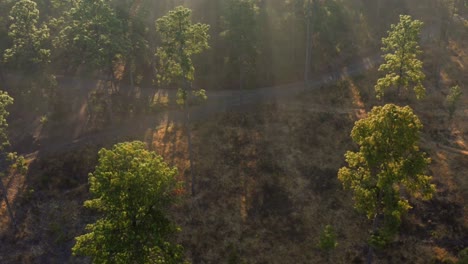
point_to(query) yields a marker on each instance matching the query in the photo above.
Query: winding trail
(217, 102)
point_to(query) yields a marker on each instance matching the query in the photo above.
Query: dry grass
(266, 186)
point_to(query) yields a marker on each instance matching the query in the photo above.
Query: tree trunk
(10, 212)
(378, 9)
(189, 138)
(3, 168)
(307, 59)
(189, 142)
(370, 250)
(111, 78)
(132, 85)
(240, 80)
(2, 76)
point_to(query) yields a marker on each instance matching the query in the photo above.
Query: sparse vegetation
(327, 241)
(258, 149)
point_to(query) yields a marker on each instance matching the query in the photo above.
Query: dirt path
(217, 102)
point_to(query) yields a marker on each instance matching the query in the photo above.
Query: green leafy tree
(137, 57)
(132, 189)
(5, 7)
(241, 36)
(28, 53)
(402, 68)
(92, 35)
(8, 161)
(180, 41)
(5, 101)
(388, 167)
(452, 100)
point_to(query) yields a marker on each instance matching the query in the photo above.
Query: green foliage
(18, 163)
(180, 41)
(241, 34)
(181, 96)
(5, 101)
(452, 99)
(402, 67)
(327, 240)
(200, 95)
(28, 52)
(463, 256)
(92, 34)
(329, 25)
(387, 165)
(132, 189)
(380, 238)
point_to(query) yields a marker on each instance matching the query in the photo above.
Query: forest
(234, 131)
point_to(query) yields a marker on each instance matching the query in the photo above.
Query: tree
(241, 36)
(29, 55)
(132, 189)
(401, 66)
(452, 100)
(5, 101)
(92, 35)
(180, 41)
(388, 166)
(8, 160)
(28, 52)
(308, 45)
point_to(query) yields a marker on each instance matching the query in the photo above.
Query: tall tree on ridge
(132, 189)
(241, 36)
(180, 41)
(401, 66)
(28, 57)
(388, 163)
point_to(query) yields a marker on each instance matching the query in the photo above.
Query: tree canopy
(180, 39)
(241, 35)
(28, 52)
(91, 34)
(388, 164)
(402, 68)
(132, 189)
